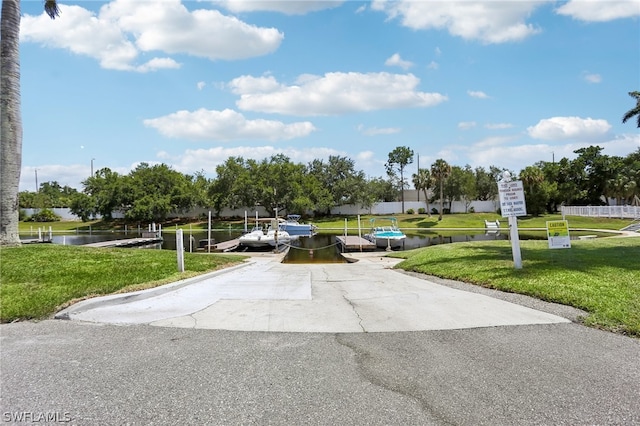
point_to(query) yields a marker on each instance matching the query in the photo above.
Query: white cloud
(516, 157)
(489, 21)
(374, 131)
(124, 29)
(466, 125)
(600, 11)
(287, 7)
(225, 125)
(433, 65)
(498, 126)
(592, 78)
(396, 61)
(201, 85)
(193, 160)
(477, 94)
(560, 128)
(333, 93)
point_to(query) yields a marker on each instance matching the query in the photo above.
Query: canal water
(320, 248)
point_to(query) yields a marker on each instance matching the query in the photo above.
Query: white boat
(387, 236)
(265, 236)
(292, 225)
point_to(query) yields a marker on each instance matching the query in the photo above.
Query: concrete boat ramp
(264, 294)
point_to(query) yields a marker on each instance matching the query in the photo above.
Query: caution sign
(558, 234)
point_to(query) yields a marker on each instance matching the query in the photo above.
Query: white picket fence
(622, 212)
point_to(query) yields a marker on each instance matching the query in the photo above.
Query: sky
(192, 83)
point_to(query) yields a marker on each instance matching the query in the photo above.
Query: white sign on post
(512, 198)
(512, 205)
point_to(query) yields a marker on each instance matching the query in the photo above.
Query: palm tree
(422, 181)
(10, 117)
(633, 111)
(440, 170)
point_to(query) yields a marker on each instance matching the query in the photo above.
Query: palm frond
(634, 111)
(51, 8)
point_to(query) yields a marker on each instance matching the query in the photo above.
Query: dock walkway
(130, 242)
(352, 242)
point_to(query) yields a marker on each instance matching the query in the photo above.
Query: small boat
(388, 236)
(265, 237)
(292, 225)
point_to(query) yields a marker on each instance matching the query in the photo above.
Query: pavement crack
(365, 364)
(355, 311)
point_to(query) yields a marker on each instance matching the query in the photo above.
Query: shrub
(434, 211)
(472, 209)
(22, 216)
(422, 210)
(410, 211)
(45, 215)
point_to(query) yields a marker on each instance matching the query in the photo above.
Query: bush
(434, 211)
(410, 211)
(45, 215)
(22, 215)
(422, 210)
(472, 209)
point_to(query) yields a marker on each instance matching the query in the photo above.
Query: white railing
(622, 212)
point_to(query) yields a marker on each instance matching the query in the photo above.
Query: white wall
(396, 207)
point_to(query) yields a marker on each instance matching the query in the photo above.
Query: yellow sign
(558, 234)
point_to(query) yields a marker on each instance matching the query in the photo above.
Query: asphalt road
(531, 366)
(92, 374)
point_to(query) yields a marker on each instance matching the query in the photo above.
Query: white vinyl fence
(622, 212)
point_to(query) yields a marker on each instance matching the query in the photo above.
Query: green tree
(27, 199)
(10, 117)
(378, 190)
(422, 181)
(399, 158)
(633, 111)
(593, 170)
(108, 190)
(152, 192)
(234, 186)
(440, 170)
(536, 190)
(486, 183)
(339, 181)
(83, 206)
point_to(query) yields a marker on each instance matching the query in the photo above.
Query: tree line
(152, 192)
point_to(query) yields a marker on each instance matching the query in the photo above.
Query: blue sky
(191, 83)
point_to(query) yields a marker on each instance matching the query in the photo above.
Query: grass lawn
(38, 279)
(600, 276)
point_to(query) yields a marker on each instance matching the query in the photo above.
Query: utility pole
(92, 166)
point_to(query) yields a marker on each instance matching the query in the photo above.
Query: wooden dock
(354, 243)
(223, 246)
(130, 242)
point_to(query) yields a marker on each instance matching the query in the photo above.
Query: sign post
(512, 205)
(180, 250)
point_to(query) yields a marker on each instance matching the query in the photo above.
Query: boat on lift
(265, 235)
(387, 235)
(292, 225)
